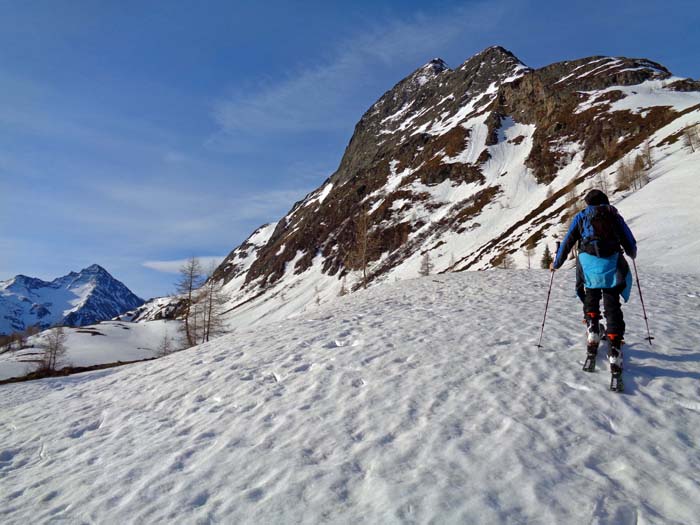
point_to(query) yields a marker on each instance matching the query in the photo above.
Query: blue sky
(134, 134)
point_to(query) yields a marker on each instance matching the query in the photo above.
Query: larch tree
(188, 283)
(529, 251)
(363, 245)
(426, 265)
(54, 347)
(213, 300)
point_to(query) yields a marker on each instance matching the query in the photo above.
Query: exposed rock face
(76, 299)
(463, 164)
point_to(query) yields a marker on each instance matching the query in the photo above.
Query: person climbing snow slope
(601, 271)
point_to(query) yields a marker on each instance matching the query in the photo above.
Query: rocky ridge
(467, 165)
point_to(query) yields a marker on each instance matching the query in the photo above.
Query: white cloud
(175, 265)
(317, 97)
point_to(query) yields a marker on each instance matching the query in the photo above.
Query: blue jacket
(595, 271)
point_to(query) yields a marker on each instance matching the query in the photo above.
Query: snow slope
(417, 402)
(107, 342)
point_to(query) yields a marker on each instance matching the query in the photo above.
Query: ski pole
(546, 305)
(641, 298)
(551, 280)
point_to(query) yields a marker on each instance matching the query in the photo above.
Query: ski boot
(615, 360)
(592, 341)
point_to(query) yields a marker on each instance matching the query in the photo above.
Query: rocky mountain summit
(77, 299)
(467, 165)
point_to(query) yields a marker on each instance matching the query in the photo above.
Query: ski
(591, 353)
(616, 384)
(615, 358)
(592, 349)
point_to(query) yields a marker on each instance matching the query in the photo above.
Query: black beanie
(596, 198)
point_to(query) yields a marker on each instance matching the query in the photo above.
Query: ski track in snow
(424, 401)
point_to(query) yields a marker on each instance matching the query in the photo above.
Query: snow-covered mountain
(76, 299)
(423, 401)
(471, 164)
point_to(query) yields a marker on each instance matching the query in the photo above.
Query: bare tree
(529, 251)
(691, 138)
(632, 174)
(343, 287)
(54, 346)
(5, 343)
(213, 300)
(189, 281)
(647, 155)
(359, 256)
(625, 175)
(505, 261)
(426, 265)
(165, 346)
(602, 183)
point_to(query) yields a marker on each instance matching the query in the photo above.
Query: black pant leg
(591, 301)
(613, 311)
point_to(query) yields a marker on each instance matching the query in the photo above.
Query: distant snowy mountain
(76, 299)
(472, 164)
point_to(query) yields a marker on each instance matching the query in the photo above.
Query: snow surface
(419, 402)
(640, 97)
(113, 341)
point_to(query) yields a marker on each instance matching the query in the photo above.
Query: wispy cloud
(174, 266)
(316, 97)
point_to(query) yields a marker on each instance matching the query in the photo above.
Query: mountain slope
(420, 401)
(470, 165)
(76, 299)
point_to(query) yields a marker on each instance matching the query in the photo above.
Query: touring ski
(596, 333)
(591, 353)
(615, 359)
(616, 384)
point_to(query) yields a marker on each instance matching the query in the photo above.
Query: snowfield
(103, 343)
(423, 401)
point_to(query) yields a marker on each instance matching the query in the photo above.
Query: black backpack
(599, 231)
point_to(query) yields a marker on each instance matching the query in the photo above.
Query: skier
(601, 270)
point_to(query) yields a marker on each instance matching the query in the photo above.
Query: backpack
(599, 231)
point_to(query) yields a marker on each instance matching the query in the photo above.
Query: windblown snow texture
(423, 401)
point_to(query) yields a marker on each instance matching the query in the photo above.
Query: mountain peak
(494, 55)
(438, 65)
(76, 299)
(427, 72)
(95, 269)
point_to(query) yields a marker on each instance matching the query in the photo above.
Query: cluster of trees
(17, 340)
(54, 348)
(634, 174)
(204, 301)
(52, 345)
